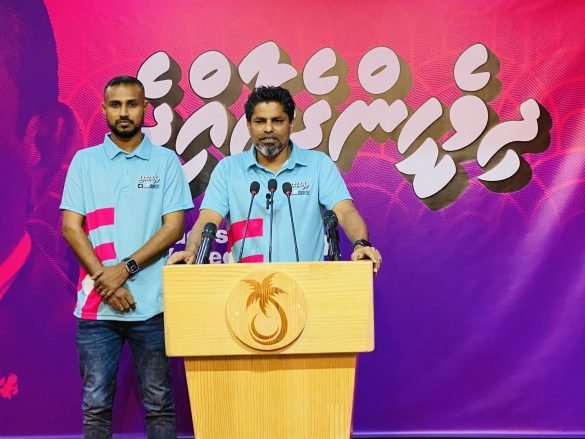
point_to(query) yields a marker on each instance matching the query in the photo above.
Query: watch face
(131, 266)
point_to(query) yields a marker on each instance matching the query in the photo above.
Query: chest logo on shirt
(148, 182)
(301, 188)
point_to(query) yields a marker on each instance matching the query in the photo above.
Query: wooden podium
(270, 349)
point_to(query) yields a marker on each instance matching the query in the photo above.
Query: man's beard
(270, 151)
(125, 134)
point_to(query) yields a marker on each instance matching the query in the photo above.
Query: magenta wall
(479, 306)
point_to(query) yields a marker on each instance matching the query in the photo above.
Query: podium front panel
(277, 308)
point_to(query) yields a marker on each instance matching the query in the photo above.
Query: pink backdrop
(479, 307)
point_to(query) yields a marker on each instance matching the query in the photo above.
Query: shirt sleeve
(73, 198)
(177, 195)
(332, 188)
(216, 194)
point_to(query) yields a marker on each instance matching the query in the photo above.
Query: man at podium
(263, 229)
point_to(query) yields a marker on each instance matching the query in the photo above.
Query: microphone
(287, 189)
(330, 221)
(207, 237)
(272, 185)
(254, 188)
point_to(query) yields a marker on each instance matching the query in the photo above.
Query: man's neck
(127, 145)
(274, 163)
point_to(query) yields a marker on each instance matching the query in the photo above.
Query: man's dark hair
(124, 79)
(270, 94)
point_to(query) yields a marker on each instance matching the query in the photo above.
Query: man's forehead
(124, 92)
(268, 109)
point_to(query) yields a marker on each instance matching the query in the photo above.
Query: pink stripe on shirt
(99, 218)
(89, 310)
(236, 231)
(105, 251)
(82, 275)
(253, 258)
(91, 305)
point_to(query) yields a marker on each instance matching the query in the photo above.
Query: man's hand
(355, 229)
(367, 253)
(121, 300)
(108, 279)
(181, 257)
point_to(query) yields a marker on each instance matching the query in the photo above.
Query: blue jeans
(99, 343)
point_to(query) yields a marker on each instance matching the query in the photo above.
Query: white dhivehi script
(381, 73)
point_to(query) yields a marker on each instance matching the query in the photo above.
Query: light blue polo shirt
(123, 198)
(317, 186)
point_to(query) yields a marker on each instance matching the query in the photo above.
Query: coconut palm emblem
(266, 311)
(265, 294)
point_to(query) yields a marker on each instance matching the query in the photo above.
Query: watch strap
(362, 242)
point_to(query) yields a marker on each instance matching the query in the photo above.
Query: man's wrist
(361, 243)
(131, 266)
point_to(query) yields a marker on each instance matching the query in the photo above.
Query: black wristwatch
(362, 242)
(131, 266)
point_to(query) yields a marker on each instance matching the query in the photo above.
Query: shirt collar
(143, 151)
(296, 157)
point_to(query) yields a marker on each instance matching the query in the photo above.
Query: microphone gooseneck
(272, 185)
(287, 189)
(254, 189)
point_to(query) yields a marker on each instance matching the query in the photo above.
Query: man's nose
(268, 127)
(123, 110)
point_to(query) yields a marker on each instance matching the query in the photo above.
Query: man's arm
(355, 228)
(77, 239)
(194, 239)
(75, 236)
(109, 279)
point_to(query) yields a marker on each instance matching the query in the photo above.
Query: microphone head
(254, 187)
(209, 230)
(272, 185)
(287, 188)
(329, 217)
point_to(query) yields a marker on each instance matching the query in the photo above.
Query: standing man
(316, 185)
(123, 207)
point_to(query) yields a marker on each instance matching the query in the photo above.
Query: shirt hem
(122, 318)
